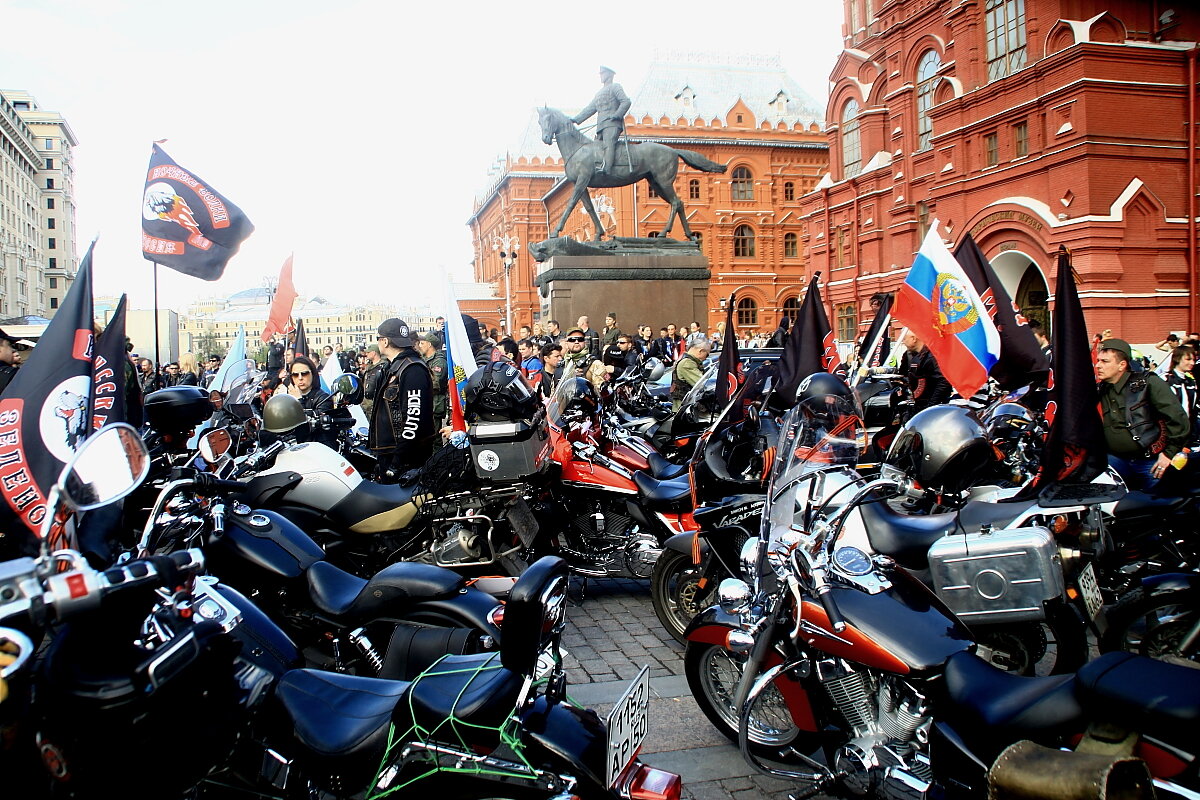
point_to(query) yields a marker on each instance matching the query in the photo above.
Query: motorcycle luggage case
(1001, 576)
(507, 451)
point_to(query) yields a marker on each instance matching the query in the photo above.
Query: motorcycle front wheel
(676, 592)
(713, 674)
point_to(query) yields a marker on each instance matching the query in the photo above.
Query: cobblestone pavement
(610, 636)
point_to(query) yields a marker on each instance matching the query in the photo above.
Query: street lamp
(507, 246)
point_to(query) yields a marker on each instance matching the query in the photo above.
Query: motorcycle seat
(1153, 697)
(349, 597)
(339, 716)
(1006, 705)
(378, 507)
(664, 470)
(905, 538)
(663, 493)
(1140, 504)
(472, 689)
(977, 513)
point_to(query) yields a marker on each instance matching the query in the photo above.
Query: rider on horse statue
(609, 105)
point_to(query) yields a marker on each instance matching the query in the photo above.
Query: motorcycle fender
(568, 734)
(1170, 584)
(682, 543)
(713, 626)
(470, 607)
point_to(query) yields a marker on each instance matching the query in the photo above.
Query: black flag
(730, 359)
(108, 372)
(810, 348)
(300, 340)
(186, 224)
(44, 411)
(1021, 358)
(876, 354)
(1075, 450)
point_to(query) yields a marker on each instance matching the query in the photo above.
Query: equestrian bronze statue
(655, 163)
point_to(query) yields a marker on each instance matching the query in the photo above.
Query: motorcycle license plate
(523, 523)
(1090, 591)
(627, 725)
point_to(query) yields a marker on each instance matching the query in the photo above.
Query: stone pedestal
(642, 289)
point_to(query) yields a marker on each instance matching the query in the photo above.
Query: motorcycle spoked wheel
(713, 674)
(1151, 626)
(676, 593)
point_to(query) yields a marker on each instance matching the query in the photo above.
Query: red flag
(44, 410)
(281, 304)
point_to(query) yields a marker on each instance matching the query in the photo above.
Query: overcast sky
(356, 134)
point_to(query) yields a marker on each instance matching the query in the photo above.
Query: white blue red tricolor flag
(938, 303)
(460, 359)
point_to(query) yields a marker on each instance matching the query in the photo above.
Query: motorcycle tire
(712, 673)
(1152, 626)
(675, 591)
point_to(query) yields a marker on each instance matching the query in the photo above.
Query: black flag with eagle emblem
(186, 224)
(730, 359)
(811, 347)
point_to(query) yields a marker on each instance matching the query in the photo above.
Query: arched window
(851, 152)
(789, 191)
(927, 69)
(790, 247)
(747, 312)
(693, 189)
(791, 308)
(743, 242)
(743, 184)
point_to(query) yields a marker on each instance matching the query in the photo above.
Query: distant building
(1028, 124)
(38, 255)
(746, 112)
(216, 321)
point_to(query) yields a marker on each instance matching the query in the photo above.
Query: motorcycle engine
(888, 722)
(611, 543)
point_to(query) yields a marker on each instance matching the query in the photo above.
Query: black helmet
(826, 398)
(576, 396)
(496, 392)
(177, 409)
(943, 448)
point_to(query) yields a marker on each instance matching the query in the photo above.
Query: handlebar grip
(207, 484)
(83, 589)
(822, 590)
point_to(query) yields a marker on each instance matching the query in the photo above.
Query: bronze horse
(656, 163)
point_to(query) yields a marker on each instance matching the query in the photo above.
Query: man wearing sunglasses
(621, 355)
(577, 357)
(402, 430)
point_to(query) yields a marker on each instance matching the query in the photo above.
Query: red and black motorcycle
(825, 648)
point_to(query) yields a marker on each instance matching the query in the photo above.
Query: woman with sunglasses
(318, 405)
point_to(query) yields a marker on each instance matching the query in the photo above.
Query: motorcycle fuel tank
(327, 477)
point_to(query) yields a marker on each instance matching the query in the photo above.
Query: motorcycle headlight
(733, 595)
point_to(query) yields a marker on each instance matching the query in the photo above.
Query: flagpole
(157, 353)
(858, 374)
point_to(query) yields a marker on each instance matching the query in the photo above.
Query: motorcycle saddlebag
(508, 451)
(1000, 576)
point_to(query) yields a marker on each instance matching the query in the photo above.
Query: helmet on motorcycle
(943, 448)
(496, 392)
(1006, 424)
(820, 390)
(653, 369)
(283, 413)
(177, 409)
(578, 396)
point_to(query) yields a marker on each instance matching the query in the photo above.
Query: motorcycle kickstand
(583, 585)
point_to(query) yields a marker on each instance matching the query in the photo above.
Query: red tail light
(649, 783)
(496, 616)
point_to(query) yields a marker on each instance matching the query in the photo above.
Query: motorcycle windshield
(817, 451)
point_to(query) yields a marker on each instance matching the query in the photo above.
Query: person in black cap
(402, 432)
(7, 355)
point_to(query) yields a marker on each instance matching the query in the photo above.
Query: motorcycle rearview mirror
(111, 463)
(349, 387)
(214, 444)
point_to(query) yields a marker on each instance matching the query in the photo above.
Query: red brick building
(1029, 124)
(747, 113)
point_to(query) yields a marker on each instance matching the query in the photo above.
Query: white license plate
(627, 725)
(1090, 591)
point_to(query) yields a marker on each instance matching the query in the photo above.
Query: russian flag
(460, 359)
(939, 304)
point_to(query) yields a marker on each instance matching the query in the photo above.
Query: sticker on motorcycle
(488, 460)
